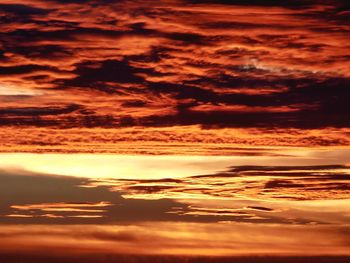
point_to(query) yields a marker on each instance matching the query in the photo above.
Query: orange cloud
(175, 64)
(178, 239)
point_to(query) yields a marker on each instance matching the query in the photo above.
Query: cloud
(22, 10)
(32, 198)
(38, 111)
(90, 74)
(46, 198)
(234, 210)
(171, 259)
(288, 3)
(157, 140)
(148, 242)
(180, 63)
(253, 182)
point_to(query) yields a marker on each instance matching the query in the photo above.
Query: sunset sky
(82, 75)
(174, 128)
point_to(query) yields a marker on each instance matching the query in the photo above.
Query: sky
(174, 131)
(87, 75)
(64, 205)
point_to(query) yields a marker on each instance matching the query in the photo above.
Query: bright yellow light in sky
(114, 166)
(12, 90)
(155, 167)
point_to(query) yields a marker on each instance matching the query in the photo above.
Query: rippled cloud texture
(241, 72)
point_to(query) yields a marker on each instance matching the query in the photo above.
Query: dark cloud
(287, 168)
(260, 208)
(283, 183)
(24, 69)
(42, 111)
(287, 3)
(325, 104)
(90, 74)
(291, 171)
(136, 103)
(189, 38)
(52, 51)
(21, 188)
(23, 10)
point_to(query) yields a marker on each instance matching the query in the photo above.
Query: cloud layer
(97, 205)
(211, 64)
